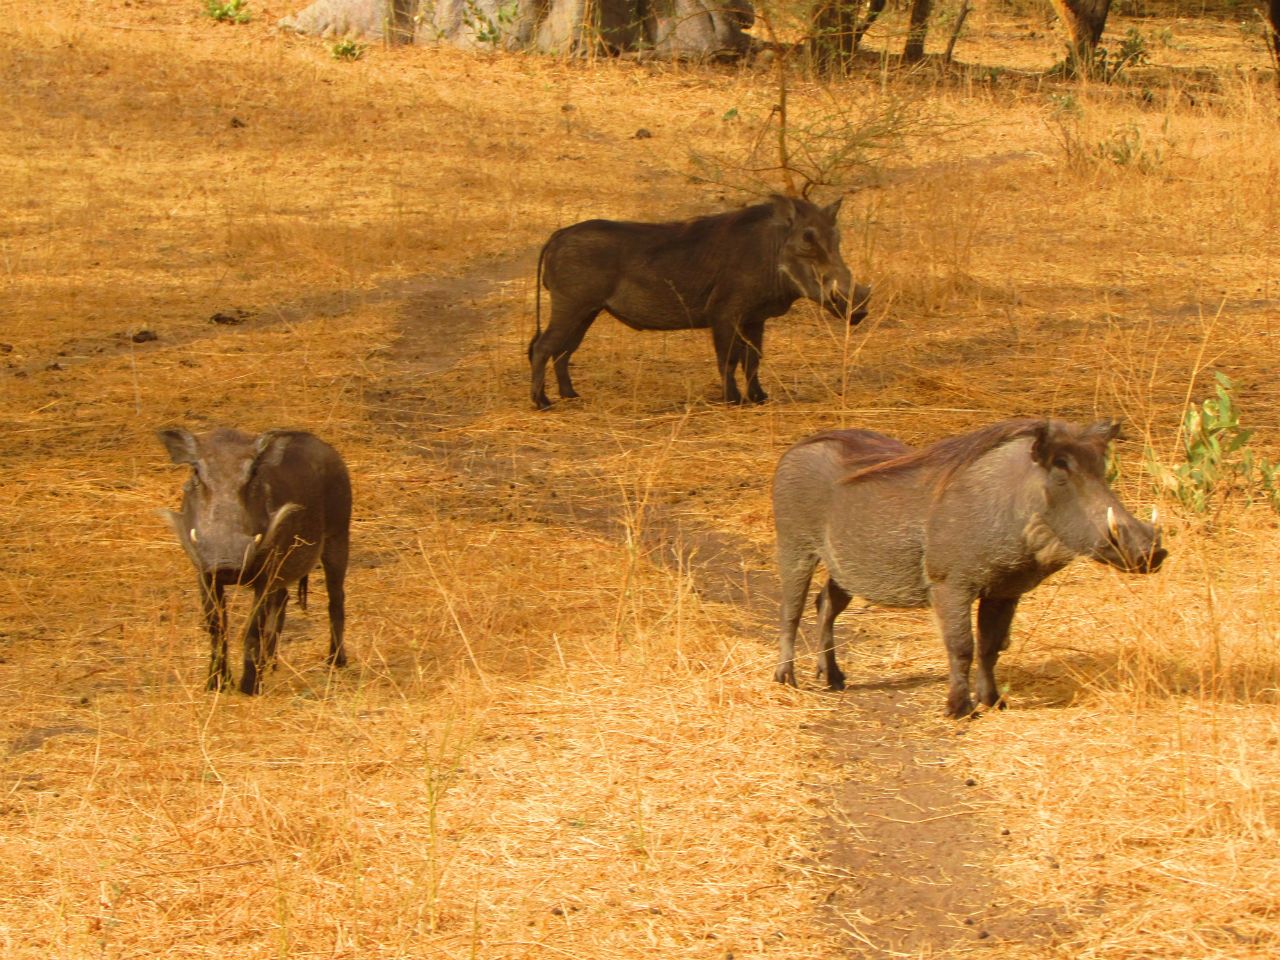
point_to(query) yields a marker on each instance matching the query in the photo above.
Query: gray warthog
(260, 511)
(730, 272)
(983, 516)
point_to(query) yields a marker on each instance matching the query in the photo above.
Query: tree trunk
(1273, 20)
(1084, 20)
(873, 11)
(834, 36)
(913, 51)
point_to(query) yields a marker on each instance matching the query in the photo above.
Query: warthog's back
(868, 532)
(305, 470)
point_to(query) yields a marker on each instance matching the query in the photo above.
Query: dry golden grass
(551, 741)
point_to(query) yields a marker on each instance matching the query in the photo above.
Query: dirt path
(906, 848)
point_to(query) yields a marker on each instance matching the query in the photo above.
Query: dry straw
(558, 736)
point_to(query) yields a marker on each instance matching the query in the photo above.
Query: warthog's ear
(1044, 442)
(180, 444)
(832, 211)
(270, 446)
(1108, 430)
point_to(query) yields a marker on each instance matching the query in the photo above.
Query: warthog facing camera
(730, 272)
(982, 517)
(260, 511)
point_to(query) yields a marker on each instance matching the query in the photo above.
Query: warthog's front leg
(995, 616)
(752, 349)
(727, 344)
(953, 608)
(213, 603)
(265, 625)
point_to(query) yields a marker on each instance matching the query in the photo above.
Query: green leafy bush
(1216, 461)
(347, 49)
(227, 11)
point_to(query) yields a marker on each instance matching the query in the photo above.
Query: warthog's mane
(742, 217)
(706, 239)
(946, 456)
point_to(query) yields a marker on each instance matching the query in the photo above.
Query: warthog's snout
(1132, 546)
(837, 298)
(228, 554)
(856, 305)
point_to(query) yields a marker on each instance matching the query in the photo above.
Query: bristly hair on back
(861, 449)
(952, 453)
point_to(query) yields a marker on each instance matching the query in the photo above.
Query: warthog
(983, 516)
(730, 272)
(260, 511)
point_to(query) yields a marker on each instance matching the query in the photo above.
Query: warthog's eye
(1061, 463)
(810, 237)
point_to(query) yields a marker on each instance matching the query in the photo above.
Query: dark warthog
(730, 272)
(983, 516)
(260, 511)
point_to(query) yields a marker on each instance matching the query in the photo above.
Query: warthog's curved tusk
(1112, 528)
(273, 526)
(192, 534)
(1155, 516)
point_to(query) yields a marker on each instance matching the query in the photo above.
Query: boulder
(669, 29)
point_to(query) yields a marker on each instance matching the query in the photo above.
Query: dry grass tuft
(558, 735)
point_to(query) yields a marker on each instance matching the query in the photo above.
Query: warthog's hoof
(250, 685)
(835, 681)
(785, 674)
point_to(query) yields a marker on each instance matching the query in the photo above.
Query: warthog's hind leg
(556, 344)
(334, 561)
(831, 602)
(796, 574)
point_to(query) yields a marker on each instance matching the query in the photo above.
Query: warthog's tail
(537, 299)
